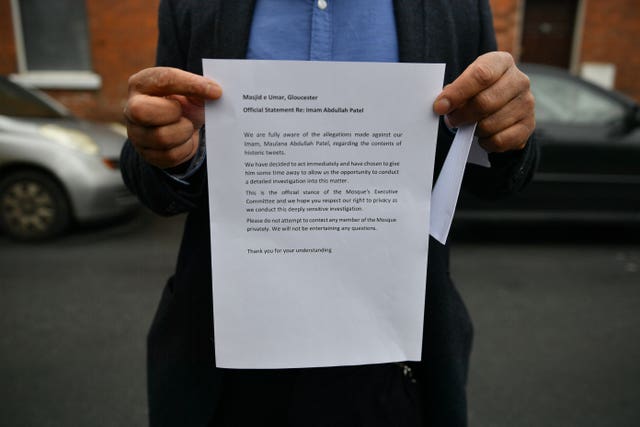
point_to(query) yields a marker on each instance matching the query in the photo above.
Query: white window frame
(74, 80)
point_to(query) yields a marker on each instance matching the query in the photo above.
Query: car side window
(560, 100)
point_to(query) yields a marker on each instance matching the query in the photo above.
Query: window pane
(55, 35)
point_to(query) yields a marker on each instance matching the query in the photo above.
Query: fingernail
(450, 125)
(213, 89)
(442, 106)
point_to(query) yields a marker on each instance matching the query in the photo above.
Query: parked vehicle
(589, 167)
(55, 169)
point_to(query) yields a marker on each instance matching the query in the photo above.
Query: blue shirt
(317, 30)
(324, 30)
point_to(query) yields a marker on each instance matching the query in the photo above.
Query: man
(163, 163)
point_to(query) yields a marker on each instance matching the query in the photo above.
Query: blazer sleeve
(154, 187)
(511, 171)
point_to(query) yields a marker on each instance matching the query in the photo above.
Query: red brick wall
(612, 34)
(123, 37)
(506, 21)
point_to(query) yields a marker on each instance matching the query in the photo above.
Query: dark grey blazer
(183, 384)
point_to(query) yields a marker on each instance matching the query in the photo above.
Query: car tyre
(32, 206)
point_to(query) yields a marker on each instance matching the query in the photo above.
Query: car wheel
(32, 206)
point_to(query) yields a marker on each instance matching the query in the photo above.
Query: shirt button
(322, 4)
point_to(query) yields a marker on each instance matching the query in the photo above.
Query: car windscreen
(16, 101)
(562, 100)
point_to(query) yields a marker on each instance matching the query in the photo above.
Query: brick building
(82, 51)
(597, 39)
(89, 63)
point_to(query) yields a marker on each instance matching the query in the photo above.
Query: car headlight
(118, 128)
(70, 138)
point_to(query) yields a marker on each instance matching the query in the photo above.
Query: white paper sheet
(477, 155)
(447, 188)
(335, 276)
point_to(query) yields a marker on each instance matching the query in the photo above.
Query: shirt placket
(321, 31)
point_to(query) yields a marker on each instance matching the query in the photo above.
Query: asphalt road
(556, 314)
(557, 319)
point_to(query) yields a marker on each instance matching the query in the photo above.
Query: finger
(192, 109)
(478, 76)
(164, 81)
(512, 138)
(512, 84)
(165, 159)
(518, 109)
(147, 110)
(161, 138)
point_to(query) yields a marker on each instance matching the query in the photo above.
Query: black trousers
(382, 395)
(186, 389)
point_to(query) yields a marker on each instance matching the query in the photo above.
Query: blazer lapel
(233, 24)
(424, 31)
(410, 21)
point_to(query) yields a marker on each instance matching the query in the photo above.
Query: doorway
(548, 30)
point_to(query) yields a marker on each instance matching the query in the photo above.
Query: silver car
(54, 168)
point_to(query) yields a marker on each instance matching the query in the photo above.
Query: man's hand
(164, 114)
(495, 93)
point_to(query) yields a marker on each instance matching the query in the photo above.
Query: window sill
(72, 80)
